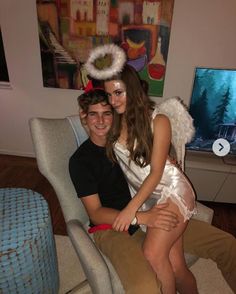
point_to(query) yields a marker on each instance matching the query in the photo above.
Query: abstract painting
(69, 29)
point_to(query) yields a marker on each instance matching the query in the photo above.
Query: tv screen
(213, 108)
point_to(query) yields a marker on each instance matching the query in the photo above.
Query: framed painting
(69, 29)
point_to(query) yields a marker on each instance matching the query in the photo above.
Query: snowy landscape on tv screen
(213, 108)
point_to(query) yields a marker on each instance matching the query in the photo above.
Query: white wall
(203, 34)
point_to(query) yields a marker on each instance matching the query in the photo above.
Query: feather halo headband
(118, 60)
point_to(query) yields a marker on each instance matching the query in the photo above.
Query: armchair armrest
(91, 259)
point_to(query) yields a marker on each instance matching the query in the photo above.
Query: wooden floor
(22, 172)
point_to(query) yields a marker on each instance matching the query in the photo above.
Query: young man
(103, 190)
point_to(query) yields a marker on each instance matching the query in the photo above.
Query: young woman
(140, 140)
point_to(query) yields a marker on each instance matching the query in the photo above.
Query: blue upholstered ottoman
(28, 262)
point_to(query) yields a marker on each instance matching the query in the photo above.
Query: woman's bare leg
(184, 279)
(157, 247)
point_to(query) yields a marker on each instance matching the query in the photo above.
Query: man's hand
(158, 217)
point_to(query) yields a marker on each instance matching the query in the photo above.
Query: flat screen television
(213, 108)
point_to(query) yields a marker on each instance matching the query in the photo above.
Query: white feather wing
(181, 124)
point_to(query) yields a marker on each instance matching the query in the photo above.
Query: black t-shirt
(93, 173)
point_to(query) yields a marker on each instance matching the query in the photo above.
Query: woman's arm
(161, 145)
(157, 217)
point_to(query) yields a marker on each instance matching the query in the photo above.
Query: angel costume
(174, 183)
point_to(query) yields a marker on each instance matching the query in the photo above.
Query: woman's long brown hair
(138, 119)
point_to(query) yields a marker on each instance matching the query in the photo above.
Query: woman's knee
(156, 258)
(149, 253)
(179, 268)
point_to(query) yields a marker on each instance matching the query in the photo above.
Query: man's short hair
(92, 97)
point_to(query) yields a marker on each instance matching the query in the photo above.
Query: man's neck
(99, 141)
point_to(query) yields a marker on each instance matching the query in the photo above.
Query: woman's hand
(124, 219)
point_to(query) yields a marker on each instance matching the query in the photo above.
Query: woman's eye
(118, 93)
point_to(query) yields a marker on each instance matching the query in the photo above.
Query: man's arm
(158, 216)
(96, 212)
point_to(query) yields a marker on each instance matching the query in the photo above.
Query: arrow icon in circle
(221, 146)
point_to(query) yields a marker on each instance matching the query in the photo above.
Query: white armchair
(54, 142)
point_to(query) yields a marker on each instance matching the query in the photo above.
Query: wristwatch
(134, 221)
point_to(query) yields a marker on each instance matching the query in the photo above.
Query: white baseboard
(17, 153)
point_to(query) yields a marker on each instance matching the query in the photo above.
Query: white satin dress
(173, 184)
